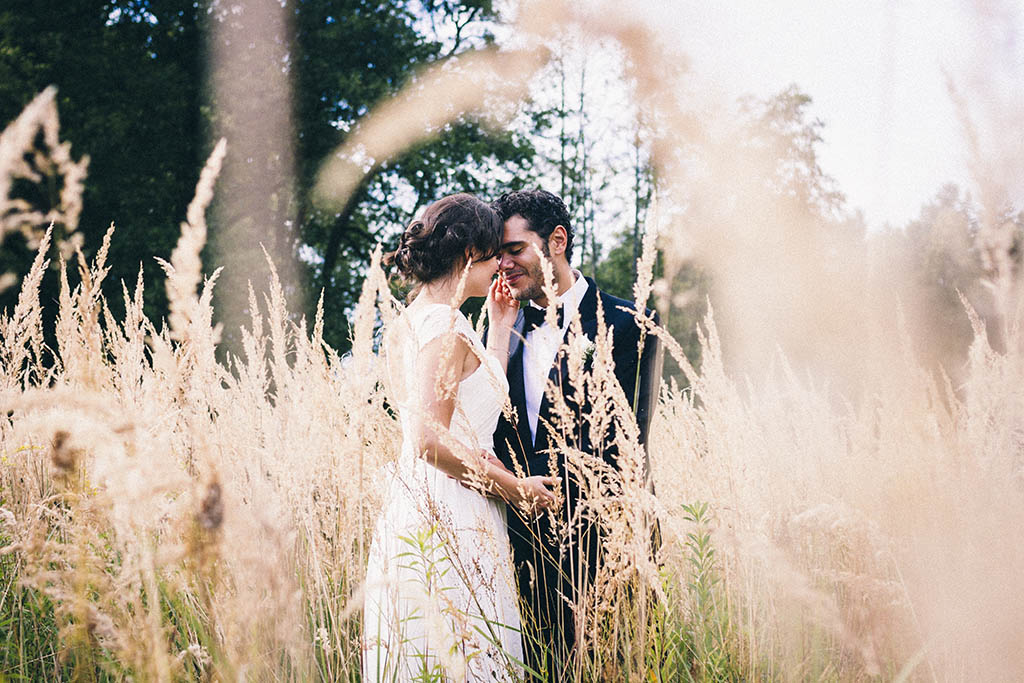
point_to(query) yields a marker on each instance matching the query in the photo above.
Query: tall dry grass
(179, 515)
(829, 508)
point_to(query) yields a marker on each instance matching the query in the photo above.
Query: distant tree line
(134, 76)
(132, 79)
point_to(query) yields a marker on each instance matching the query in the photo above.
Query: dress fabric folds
(441, 598)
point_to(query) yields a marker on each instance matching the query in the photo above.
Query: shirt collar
(571, 298)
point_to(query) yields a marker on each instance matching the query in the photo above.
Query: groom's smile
(519, 262)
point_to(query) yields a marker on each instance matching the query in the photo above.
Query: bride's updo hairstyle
(435, 244)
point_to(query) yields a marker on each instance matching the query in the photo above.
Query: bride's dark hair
(435, 243)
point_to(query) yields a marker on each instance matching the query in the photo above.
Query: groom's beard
(534, 276)
(535, 286)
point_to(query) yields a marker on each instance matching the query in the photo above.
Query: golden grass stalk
(184, 271)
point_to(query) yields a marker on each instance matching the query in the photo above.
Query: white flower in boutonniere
(583, 347)
(588, 351)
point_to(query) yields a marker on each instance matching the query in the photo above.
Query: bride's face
(481, 272)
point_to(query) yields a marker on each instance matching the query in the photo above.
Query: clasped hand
(532, 495)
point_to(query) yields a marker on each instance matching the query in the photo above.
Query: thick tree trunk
(339, 229)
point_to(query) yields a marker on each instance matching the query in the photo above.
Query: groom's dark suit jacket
(552, 568)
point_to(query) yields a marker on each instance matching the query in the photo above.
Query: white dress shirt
(541, 345)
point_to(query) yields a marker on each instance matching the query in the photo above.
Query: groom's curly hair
(542, 210)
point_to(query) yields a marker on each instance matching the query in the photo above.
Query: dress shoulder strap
(436, 320)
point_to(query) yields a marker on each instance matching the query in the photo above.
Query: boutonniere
(583, 347)
(588, 352)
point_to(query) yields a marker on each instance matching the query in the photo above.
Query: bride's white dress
(441, 601)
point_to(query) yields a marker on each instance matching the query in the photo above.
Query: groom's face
(519, 261)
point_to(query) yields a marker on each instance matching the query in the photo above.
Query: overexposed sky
(876, 72)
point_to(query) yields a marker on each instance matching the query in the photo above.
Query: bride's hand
(533, 494)
(502, 308)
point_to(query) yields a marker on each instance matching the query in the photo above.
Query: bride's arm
(441, 361)
(502, 310)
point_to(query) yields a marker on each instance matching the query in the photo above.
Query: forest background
(138, 94)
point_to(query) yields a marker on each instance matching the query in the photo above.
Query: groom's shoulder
(621, 311)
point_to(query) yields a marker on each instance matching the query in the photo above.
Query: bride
(441, 601)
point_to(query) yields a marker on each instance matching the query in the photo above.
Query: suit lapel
(517, 386)
(515, 344)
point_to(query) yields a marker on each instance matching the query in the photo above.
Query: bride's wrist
(497, 475)
(506, 486)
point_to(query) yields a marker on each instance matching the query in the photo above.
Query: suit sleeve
(649, 377)
(639, 375)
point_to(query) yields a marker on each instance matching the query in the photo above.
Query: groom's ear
(557, 240)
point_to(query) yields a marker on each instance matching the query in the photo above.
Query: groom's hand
(537, 494)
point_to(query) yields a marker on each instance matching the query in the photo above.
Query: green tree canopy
(131, 77)
(129, 97)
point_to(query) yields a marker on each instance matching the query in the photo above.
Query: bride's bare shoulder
(421, 325)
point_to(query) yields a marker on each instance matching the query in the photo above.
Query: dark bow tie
(533, 317)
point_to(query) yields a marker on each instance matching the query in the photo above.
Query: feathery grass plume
(81, 337)
(365, 314)
(252, 370)
(548, 286)
(279, 333)
(648, 255)
(21, 353)
(184, 272)
(127, 343)
(20, 159)
(670, 343)
(995, 235)
(435, 97)
(989, 113)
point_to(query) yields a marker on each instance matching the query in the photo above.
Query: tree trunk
(339, 229)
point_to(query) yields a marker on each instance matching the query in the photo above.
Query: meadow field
(832, 504)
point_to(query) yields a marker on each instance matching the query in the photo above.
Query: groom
(552, 569)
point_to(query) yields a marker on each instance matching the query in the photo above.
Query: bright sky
(875, 71)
